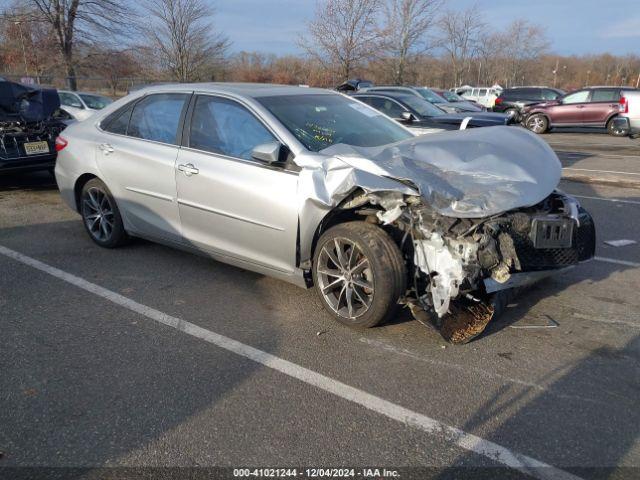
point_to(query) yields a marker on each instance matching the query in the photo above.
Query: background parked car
(589, 107)
(629, 119)
(421, 92)
(485, 96)
(418, 114)
(81, 105)
(456, 99)
(354, 85)
(513, 100)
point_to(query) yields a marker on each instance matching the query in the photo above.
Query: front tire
(359, 274)
(100, 215)
(537, 123)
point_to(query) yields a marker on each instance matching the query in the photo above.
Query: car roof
(398, 95)
(244, 89)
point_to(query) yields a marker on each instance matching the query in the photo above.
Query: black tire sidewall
(389, 270)
(610, 129)
(118, 235)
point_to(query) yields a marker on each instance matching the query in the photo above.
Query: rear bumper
(623, 123)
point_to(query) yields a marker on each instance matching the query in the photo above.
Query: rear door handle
(106, 148)
(188, 169)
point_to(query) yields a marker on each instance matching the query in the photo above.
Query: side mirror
(407, 117)
(267, 152)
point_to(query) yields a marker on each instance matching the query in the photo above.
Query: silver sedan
(319, 189)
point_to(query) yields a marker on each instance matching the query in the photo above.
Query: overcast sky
(573, 26)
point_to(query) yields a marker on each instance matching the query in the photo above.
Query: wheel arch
(80, 183)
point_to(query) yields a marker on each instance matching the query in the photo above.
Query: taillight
(61, 142)
(498, 101)
(623, 105)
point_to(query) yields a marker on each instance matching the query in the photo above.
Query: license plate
(552, 232)
(34, 148)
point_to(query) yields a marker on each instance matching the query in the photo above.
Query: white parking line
(464, 440)
(626, 263)
(615, 200)
(600, 171)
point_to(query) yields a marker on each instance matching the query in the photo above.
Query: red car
(589, 107)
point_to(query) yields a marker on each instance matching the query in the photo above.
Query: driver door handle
(188, 169)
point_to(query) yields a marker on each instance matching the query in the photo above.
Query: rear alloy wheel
(101, 216)
(537, 123)
(613, 130)
(359, 273)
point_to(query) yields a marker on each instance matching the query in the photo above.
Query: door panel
(140, 171)
(229, 203)
(603, 103)
(571, 109)
(239, 208)
(141, 177)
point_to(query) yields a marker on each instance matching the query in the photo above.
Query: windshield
(452, 97)
(319, 121)
(421, 107)
(96, 102)
(430, 96)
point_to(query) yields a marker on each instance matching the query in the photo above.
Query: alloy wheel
(98, 215)
(345, 278)
(536, 124)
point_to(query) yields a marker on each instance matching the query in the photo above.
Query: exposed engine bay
(464, 270)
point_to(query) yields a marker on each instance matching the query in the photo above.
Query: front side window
(319, 121)
(421, 106)
(577, 97)
(223, 126)
(157, 117)
(608, 95)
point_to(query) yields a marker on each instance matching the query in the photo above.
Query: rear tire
(359, 274)
(612, 130)
(100, 215)
(537, 123)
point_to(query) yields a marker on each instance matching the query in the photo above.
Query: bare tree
(181, 31)
(343, 34)
(71, 20)
(405, 30)
(461, 34)
(523, 43)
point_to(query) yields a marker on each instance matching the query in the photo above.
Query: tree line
(421, 42)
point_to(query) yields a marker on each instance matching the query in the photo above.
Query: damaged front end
(475, 214)
(463, 270)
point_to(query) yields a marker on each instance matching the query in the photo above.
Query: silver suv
(319, 189)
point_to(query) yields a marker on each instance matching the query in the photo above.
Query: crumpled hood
(26, 103)
(468, 174)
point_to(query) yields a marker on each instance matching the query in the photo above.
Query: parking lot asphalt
(107, 361)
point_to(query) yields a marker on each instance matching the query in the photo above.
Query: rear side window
(605, 95)
(157, 117)
(385, 105)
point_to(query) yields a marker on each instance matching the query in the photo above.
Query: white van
(485, 96)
